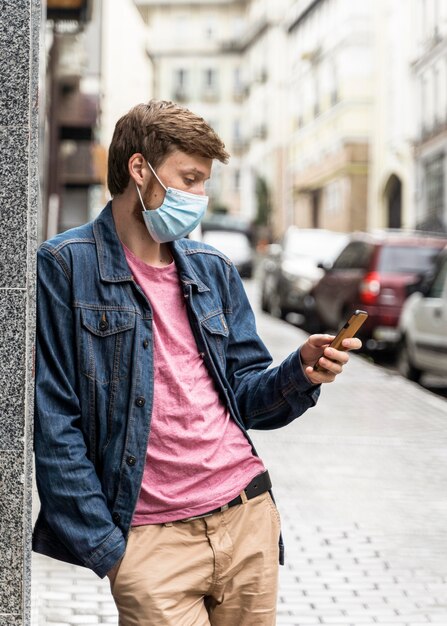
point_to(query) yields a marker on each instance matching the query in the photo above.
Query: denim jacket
(94, 381)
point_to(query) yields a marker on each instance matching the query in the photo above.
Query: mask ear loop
(140, 196)
(156, 176)
(138, 189)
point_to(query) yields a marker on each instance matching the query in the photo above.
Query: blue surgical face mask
(177, 216)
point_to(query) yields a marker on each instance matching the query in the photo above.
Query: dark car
(290, 269)
(375, 272)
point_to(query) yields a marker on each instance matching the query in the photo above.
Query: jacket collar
(112, 262)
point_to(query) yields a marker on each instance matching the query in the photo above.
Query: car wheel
(404, 365)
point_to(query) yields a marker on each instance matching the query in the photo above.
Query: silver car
(423, 328)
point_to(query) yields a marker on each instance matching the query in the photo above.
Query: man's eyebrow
(193, 170)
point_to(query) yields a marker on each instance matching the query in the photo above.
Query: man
(149, 371)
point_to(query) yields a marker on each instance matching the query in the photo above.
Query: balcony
(429, 132)
(238, 94)
(69, 10)
(261, 76)
(210, 94)
(180, 94)
(239, 146)
(260, 131)
(81, 163)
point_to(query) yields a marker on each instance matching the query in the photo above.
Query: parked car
(236, 246)
(227, 222)
(290, 269)
(375, 272)
(423, 327)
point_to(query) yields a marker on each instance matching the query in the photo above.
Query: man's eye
(190, 181)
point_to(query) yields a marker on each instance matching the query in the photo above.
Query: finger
(340, 356)
(329, 365)
(320, 376)
(353, 343)
(320, 341)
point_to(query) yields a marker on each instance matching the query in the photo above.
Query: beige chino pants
(220, 570)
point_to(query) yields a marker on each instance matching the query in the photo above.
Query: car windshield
(317, 246)
(403, 259)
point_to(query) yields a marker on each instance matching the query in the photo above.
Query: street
(360, 485)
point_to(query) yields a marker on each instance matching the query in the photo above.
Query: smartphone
(349, 330)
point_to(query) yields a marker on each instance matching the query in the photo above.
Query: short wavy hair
(157, 129)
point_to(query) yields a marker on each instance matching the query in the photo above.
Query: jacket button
(103, 325)
(116, 518)
(145, 344)
(202, 355)
(131, 460)
(140, 401)
(186, 295)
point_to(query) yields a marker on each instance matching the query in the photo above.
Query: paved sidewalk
(360, 483)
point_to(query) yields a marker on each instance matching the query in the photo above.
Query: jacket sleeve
(267, 397)
(72, 502)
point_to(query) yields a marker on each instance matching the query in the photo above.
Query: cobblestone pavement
(360, 484)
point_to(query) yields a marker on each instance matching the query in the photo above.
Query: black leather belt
(259, 484)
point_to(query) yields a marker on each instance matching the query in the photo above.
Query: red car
(375, 272)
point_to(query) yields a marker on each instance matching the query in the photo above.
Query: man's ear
(136, 166)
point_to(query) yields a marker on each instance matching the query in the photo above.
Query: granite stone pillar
(20, 26)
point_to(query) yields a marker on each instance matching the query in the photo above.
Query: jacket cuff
(298, 380)
(108, 554)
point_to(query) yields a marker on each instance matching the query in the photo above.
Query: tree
(263, 201)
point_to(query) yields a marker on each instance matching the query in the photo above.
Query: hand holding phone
(349, 330)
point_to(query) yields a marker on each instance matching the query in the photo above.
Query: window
(210, 27)
(316, 106)
(237, 179)
(237, 135)
(435, 95)
(334, 84)
(424, 103)
(209, 89)
(181, 26)
(180, 84)
(210, 78)
(180, 78)
(440, 282)
(434, 186)
(355, 256)
(333, 198)
(238, 87)
(406, 259)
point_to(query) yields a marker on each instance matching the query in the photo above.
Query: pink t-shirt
(197, 457)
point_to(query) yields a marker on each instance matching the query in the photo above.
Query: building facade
(331, 95)
(72, 110)
(125, 66)
(196, 59)
(333, 111)
(430, 90)
(90, 84)
(264, 61)
(391, 171)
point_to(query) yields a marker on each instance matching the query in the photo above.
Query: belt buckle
(194, 517)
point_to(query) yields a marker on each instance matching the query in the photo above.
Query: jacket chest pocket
(106, 344)
(216, 331)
